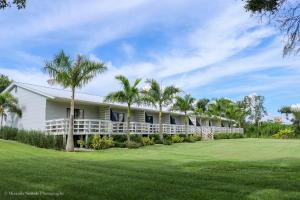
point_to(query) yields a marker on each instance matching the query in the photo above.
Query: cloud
(202, 44)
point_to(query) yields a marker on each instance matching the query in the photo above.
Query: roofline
(13, 84)
(19, 84)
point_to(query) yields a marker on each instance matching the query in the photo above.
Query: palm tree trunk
(160, 124)
(186, 124)
(70, 140)
(128, 123)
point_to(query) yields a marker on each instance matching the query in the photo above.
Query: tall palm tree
(184, 104)
(159, 97)
(8, 103)
(72, 74)
(129, 94)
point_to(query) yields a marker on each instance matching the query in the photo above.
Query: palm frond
(118, 96)
(124, 82)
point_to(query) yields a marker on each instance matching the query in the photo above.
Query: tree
(218, 107)
(283, 14)
(4, 82)
(235, 111)
(294, 110)
(184, 104)
(255, 107)
(72, 74)
(8, 103)
(129, 94)
(20, 4)
(285, 110)
(202, 104)
(159, 97)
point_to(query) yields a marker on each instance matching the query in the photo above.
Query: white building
(47, 109)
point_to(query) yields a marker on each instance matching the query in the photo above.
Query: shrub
(196, 137)
(287, 133)
(136, 138)
(102, 143)
(133, 145)
(167, 141)
(120, 138)
(266, 129)
(89, 141)
(176, 139)
(147, 141)
(218, 135)
(120, 144)
(189, 138)
(81, 143)
(156, 138)
(8, 133)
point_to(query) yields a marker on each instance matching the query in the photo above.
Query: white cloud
(227, 44)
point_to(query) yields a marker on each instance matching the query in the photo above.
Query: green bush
(167, 141)
(218, 135)
(120, 144)
(265, 130)
(189, 138)
(196, 137)
(176, 139)
(35, 138)
(120, 138)
(147, 141)
(156, 138)
(81, 143)
(287, 133)
(104, 142)
(8, 133)
(136, 138)
(133, 145)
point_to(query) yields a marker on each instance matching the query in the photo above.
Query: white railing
(106, 127)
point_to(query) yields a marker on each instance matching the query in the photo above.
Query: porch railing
(106, 127)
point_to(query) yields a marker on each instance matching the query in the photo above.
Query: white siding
(33, 110)
(104, 112)
(58, 110)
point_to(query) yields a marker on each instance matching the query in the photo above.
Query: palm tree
(184, 104)
(159, 97)
(8, 103)
(130, 95)
(218, 108)
(72, 74)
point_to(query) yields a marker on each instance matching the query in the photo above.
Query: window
(190, 122)
(148, 118)
(172, 120)
(117, 116)
(78, 113)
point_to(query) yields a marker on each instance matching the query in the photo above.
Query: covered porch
(107, 127)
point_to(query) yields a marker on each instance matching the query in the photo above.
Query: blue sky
(208, 48)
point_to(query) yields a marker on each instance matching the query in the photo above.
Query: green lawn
(222, 169)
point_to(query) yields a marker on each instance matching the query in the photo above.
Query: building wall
(104, 112)
(58, 110)
(33, 110)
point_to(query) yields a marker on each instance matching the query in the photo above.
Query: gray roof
(63, 94)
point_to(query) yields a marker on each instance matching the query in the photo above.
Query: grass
(221, 169)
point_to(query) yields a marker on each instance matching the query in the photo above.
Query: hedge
(35, 138)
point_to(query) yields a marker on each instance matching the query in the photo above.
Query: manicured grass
(221, 169)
